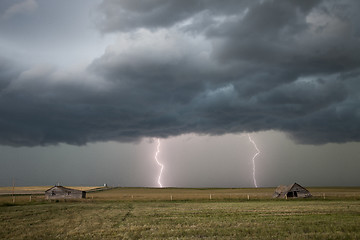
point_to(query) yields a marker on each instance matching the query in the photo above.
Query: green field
(141, 213)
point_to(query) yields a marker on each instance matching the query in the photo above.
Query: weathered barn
(60, 192)
(291, 191)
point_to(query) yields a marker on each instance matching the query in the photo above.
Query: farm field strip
(212, 194)
(37, 189)
(144, 194)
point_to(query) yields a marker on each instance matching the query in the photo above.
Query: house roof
(64, 188)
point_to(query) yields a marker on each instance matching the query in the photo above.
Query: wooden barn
(60, 192)
(292, 191)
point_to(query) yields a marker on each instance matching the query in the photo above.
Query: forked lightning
(157, 161)
(253, 159)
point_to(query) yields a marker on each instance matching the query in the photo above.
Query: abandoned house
(60, 192)
(291, 191)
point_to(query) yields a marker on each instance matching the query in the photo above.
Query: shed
(60, 192)
(292, 191)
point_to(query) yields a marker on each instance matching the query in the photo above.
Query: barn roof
(282, 190)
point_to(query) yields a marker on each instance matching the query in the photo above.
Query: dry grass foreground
(151, 215)
(257, 219)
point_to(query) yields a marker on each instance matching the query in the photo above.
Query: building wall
(296, 191)
(64, 193)
(301, 192)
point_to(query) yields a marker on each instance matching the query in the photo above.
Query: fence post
(13, 190)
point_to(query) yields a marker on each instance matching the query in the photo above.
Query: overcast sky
(86, 86)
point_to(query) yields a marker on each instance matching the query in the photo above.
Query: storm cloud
(206, 67)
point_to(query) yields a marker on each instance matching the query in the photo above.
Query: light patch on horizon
(191, 160)
(63, 42)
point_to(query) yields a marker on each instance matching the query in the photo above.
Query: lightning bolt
(253, 159)
(157, 161)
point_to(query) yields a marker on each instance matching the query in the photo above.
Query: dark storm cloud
(292, 66)
(129, 15)
(7, 72)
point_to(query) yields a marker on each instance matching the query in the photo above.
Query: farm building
(291, 191)
(60, 192)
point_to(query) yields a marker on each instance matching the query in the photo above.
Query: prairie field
(146, 213)
(35, 189)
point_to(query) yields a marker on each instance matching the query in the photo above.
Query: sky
(88, 86)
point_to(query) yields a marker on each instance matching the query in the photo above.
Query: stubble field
(138, 213)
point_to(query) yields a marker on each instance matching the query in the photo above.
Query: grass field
(138, 213)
